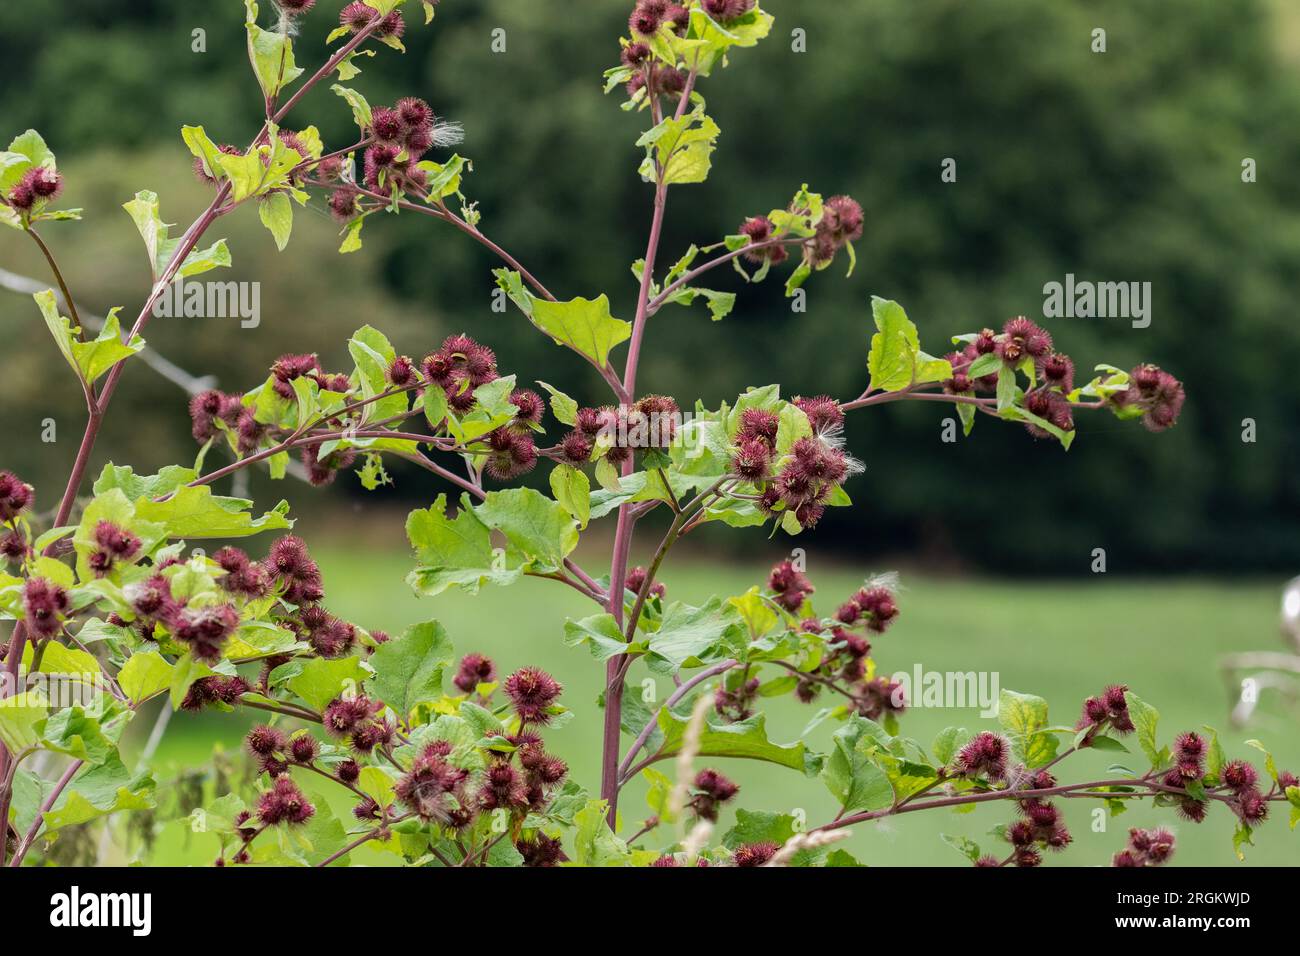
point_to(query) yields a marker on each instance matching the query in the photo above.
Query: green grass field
(1061, 641)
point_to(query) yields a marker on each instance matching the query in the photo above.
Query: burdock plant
(451, 762)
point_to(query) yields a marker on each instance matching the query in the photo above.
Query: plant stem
(677, 695)
(881, 398)
(87, 389)
(284, 710)
(1067, 790)
(21, 849)
(686, 278)
(364, 838)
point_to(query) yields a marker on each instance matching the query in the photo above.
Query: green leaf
(963, 845)
(186, 671)
(1020, 413)
(408, 670)
(584, 325)
(198, 513)
(797, 278)
(147, 673)
(658, 794)
(537, 527)
(572, 489)
(608, 478)
(19, 715)
(276, 213)
(68, 661)
(986, 364)
(948, 742)
(681, 150)
(759, 826)
(206, 151)
(376, 783)
(30, 149)
(1006, 387)
(444, 178)
(600, 632)
(594, 844)
(454, 552)
(72, 732)
(143, 210)
(720, 303)
(1214, 758)
(321, 681)
(246, 172)
(134, 486)
(271, 54)
(563, 407)
(1241, 837)
(896, 360)
(92, 359)
(373, 354)
(1145, 718)
(352, 235)
(1024, 718)
(360, 108)
(262, 638)
(850, 773)
(29, 793)
(435, 406)
(1270, 766)
(708, 41)
(99, 791)
(746, 739)
(690, 636)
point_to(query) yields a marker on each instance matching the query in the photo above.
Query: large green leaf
(594, 844)
(198, 513)
(850, 772)
(134, 486)
(73, 732)
(147, 673)
(746, 739)
(101, 790)
(681, 148)
(89, 359)
(601, 634)
(143, 210)
(19, 715)
(320, 681)
(408, 670)
(1024, 718)
(538, 528)
(896, 360)
(584, 325)
(689, 636)
(454, 552)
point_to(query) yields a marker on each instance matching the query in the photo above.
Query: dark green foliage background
(1122, 166)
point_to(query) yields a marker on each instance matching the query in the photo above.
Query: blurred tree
(1124, 166)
